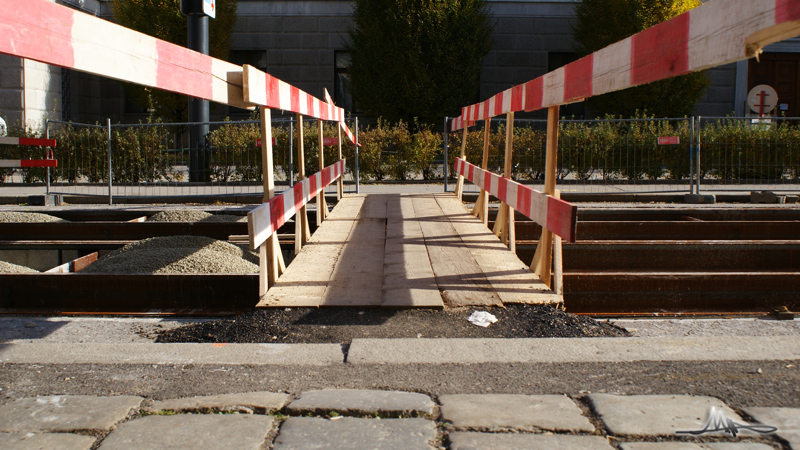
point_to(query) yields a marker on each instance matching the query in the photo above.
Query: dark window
(342, 90)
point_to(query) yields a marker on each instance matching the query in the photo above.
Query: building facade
(303, 43)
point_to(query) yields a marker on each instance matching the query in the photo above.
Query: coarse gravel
(177, 254)
(27, 217)
(193, 215)
(7, 267)
(341, 325)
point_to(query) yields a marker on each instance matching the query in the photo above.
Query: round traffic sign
(762, 99)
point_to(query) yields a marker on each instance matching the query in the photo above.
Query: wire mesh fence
(647, 155)
(154, 159)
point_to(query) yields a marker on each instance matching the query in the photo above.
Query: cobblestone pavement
(373, 419)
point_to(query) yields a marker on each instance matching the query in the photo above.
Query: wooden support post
(340, 181)
(543, 259)
(302, 232)
(558, 261)
(322, 207)
(505, 215)
(481, 209)
(271, 264)
(460, 182)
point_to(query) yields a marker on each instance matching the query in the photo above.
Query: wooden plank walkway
(402, 251)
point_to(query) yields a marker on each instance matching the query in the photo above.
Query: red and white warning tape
(715, 33)
(267, 218)
(556, 215)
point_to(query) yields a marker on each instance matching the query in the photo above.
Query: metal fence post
(358, 188)
(444, 143)
(691, 157)
(110, 197)
(697, 152)
(47, 136)
(291, 152)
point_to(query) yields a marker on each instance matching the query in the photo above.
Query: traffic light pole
(198, 109)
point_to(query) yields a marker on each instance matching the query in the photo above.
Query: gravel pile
(7, 267)
(193, 215)
(177, 254)
(27, 217)
(341, 325)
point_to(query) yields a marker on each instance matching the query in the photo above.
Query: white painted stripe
(288, 203)
(539, 208)
(10, 162)
(553, 87)
(507, 94)
(494, 180)
(261, 225)
(479, 178)
(612, 67)
(9, 140)
(286, 95)
(104, 48)
(490, 107)
(256, 85)
(714, 36)
(511, 193)
(306, 188)
(316, 108)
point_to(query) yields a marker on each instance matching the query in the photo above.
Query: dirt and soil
(341, 325)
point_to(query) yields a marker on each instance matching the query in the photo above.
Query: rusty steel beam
(681, 256)
(137, 293)
(670, 292)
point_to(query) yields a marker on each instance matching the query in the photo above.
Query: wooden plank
(358, 277)
(460, 182)
(510, 278)
(375, 206)
(302, 231)
(76, 265)
(546, 240)
(307, 277)
(322, 206)
(458, 276)
(408, 278)
(713, 34)
(54, 34)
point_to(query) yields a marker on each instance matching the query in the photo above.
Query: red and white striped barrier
(342, 122)
(24, 163)
(556, 215)
(57, 35)
(28, 141)
(263, 89)
(267, 218)
(715, 33)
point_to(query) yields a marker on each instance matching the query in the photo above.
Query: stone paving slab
(499, 441)
(362, 402)
(45, 441)
(786, 419)
(496, 412)
(191, 432)
(557, 350)
(260, 402)
(691, 446)
(66, 413)
(312, 433)
(151, 353)
(657, 415)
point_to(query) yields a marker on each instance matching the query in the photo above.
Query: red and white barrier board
(267, 218)
(28, 141)
(556, 215)
(50, 33)
(263, 89)
(24, 163)
(715, 33)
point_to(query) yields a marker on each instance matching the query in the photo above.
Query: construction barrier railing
(715, 33)
(48, 162)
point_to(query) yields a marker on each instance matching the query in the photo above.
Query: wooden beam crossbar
(713, 34)
(267, 218)
(554, 214)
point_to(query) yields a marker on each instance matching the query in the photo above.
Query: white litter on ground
(482, 318)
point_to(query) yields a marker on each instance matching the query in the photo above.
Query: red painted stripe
(276, 212)
(498, 103)
(39, 142)
(273, 92)
(787, 11)
(326, 177)
(471, 173)
(517, 100)
(310, 104)
(487, 180)
(562, 218)
(294, 97)
(578, 79)
(524, 200)
(37, 29)
(299, 200)
(534, 90)
(661, 51)
(502, 189)
(173, 73)
(312, 185)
